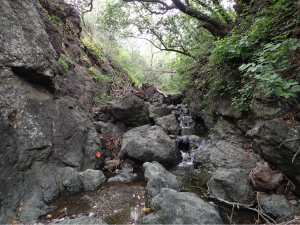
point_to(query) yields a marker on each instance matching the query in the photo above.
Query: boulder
(104, 128)
(124, 177)
(232, 185)
(263, 178)
(169, 124)
(158, 177)
(173, 207)
(92, 179)
(71, 180)
(158, 110)
(277, 207)
(149, 143)
(83, 220)
(224, 155)
(131, 110)
(270, 141)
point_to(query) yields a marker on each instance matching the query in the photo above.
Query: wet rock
(83, 220)
(71, 180)
(169, 124)
(224, 155)
(126, 167)
(158, 110)
(149, 143)
(92, 179)
(86, 198)
(232, 185)
(186, 121)
(158, 177)
(268, 136)
(173, 207)
(33, 209)
(131, 110)
(124, 177)
(277, 207)
(263, 178)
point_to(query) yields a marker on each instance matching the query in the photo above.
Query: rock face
(131, 110)
(25, 43)
(224, 155)
(45, 123)
(232, 185)
(158, 177)
(92, 179)
(149, 143)
(268, 136)
(277, 207)
(169, 124)
(83, 220)
(263, 178)
(172, 207)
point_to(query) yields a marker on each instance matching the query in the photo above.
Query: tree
(216, 27)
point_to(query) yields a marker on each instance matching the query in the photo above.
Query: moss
(98, 76)
(63, 64)
(94, 49)
(56, 21)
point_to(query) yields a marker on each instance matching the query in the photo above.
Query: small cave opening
(33, 77)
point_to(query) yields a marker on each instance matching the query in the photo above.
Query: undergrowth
(255, 55)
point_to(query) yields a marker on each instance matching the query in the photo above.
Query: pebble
(92, 214)
(294, 202)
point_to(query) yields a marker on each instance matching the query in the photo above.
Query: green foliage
(56, 21)
(98, 76)
(93, 48)
(101, 98)
(63, 64)
(255, 55)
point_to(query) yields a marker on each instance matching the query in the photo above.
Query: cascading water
(188, 156)
(186, 121)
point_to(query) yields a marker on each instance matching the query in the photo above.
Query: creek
(123, 203)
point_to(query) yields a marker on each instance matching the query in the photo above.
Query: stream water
(119, 203)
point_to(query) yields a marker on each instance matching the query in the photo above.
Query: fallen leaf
(146, 210)
(98, 154)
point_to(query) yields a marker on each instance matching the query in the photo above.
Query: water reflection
(128, 215)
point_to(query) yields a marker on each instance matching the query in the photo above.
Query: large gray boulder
(158, 177)
(83, 220)
(92, 179)
(225, 155)
(149, 143)
(131, 110)
(173, 207)
(232, 185)
(277, 207)
(169, 124)
(269, 139)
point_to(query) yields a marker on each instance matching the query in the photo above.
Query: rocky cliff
(45, 106)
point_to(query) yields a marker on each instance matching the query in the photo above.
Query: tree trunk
(215, 27)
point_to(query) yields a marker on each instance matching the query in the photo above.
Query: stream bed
(123, 203)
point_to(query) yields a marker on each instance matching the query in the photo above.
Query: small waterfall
(188, 156)
(186, 121)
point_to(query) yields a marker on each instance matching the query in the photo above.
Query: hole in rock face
(33, 77)
(183, 146)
